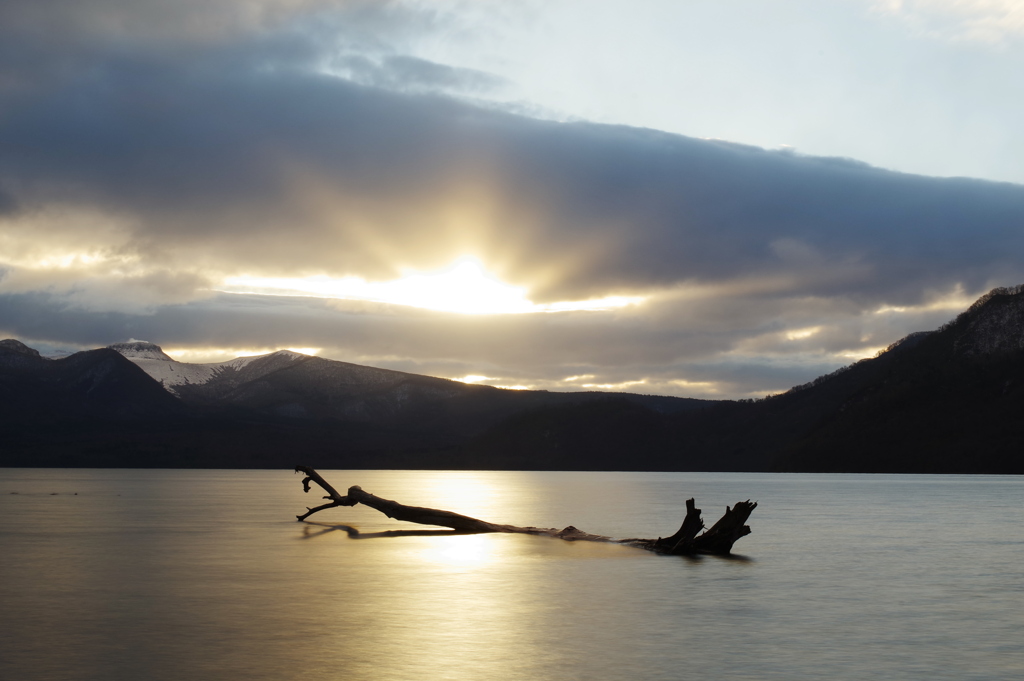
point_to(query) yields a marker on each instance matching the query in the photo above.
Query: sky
(717, 199)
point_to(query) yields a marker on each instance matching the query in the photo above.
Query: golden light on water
(465, 287)
(471, 493)
(465, 550)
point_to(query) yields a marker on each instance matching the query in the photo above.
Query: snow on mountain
(139, 349)
(170, 373)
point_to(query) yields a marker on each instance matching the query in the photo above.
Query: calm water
(205, 575)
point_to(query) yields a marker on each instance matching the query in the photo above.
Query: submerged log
(717, 541)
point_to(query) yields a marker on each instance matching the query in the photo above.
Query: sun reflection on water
(471, 493)
(465, 550)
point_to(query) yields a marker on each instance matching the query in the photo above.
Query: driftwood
(718, 540)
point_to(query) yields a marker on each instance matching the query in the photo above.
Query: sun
(464, 287)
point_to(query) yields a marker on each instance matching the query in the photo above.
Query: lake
(189, 574)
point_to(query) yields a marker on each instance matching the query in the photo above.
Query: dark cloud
(94, 20)
(711, 348)
(411, 74)
(8, 206)
(212, 139)
(212, 147)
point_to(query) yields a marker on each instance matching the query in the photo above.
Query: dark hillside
(96, 384)
(92, 408)
(98, 408)
(612, 433)
(947, 401)
(953, 404)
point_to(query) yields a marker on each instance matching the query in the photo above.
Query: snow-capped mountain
(96, 384)
(132, 405)
(172, 374)
(290, 384)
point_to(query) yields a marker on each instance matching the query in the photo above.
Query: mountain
(202, 379)
(97, 384)
(291, 385)
(91, 408)
(272, 409)
(944, 401)
(947, 401)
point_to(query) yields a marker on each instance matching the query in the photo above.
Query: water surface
(129, 574)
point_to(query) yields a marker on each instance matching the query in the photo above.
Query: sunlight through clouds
(465, 288)
(862, 353)
(510, 194)
(957, 299)
(800, 334)
(473, 378)
(494, 382)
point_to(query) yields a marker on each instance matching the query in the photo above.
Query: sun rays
(464, 287)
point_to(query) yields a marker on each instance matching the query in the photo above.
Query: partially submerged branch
(718, 540)
(332, 494)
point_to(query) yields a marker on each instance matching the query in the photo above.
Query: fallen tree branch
(718, 540)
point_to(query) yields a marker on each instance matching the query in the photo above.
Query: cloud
(148, 19)
(411, 74)
(209, 158)
(146, 170)
(985, 21)
(708, 347)
(7, 204)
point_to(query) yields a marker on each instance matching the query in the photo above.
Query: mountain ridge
(948, 400)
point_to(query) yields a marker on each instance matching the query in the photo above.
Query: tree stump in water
(717, 541)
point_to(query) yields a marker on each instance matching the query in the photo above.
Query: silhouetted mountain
(950, 400)
(97, 384)
(268, 410)
(290, 385)
(89, 409)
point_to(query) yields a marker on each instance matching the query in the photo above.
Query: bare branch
(718, 540)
